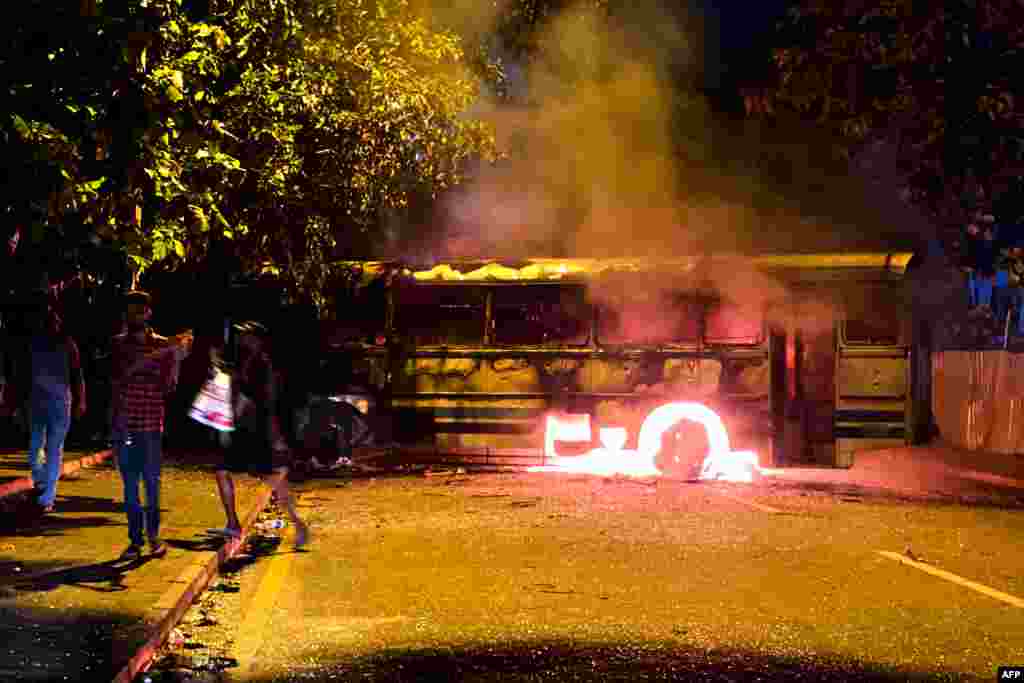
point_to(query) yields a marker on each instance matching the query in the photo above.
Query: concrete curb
(168, 611)
(25, 483)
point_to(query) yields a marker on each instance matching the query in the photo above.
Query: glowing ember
(571, 428)
(612, 458)
(613, 438)
(731, 466)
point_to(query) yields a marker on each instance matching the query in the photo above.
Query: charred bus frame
(783, 392)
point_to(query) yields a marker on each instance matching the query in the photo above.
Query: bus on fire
(804, 357)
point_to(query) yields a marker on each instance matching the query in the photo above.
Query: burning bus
(803, 358)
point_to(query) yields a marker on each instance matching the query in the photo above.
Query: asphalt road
(528, 577)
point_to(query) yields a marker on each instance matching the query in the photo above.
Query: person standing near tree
(143, 375)
(55, 386)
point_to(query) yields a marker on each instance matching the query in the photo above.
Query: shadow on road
(82, 504)
(102, 577)
(199, 544)
(28, 521)
(64, 645)
(20, 515)
(562, 661)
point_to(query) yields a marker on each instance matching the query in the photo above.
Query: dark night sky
(736, 35)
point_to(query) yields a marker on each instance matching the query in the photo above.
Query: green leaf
(220, 218)
(21, 126)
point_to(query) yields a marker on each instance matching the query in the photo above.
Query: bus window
(731, 323)
(660, 318)
(536, 315)
(874, 316)
(880, 331)
(440, 315)
(359, 315)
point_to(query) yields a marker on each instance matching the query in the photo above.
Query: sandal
(131, 553)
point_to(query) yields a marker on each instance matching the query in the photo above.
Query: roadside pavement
(69, 610)
(14, 471)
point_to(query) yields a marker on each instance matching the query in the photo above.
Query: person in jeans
(257, 445)
(144, 365)
(55, 385)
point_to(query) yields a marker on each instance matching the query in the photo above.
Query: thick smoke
(591, 168)
(612, 152)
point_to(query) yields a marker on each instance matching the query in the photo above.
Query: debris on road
(271, 525)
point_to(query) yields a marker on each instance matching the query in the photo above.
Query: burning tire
(683, 450)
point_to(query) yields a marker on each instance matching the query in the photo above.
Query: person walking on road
(257, 445)
(144, 372)
(55, 386)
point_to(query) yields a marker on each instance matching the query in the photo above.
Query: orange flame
(612, 458)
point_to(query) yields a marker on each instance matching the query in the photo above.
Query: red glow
(572, 428)
(612, 458)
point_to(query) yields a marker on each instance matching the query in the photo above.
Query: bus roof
(554, 269)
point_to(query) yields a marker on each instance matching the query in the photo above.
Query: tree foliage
(936, 80)
(283, 126)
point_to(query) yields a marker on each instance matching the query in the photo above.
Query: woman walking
(257, 446)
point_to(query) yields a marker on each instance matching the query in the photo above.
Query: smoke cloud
(613, 152)
(591, 167)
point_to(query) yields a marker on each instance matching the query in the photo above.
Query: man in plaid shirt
(144, 365)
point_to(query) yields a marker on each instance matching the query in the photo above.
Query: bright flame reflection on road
(611, 458)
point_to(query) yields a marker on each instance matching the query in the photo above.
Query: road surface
(530, 577)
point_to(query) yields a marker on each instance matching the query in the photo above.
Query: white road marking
(959, 580)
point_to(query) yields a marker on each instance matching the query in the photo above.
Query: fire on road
(611, 458)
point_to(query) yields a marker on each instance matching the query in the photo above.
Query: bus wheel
(683, 449)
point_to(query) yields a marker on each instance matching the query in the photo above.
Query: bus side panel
(647, 383)
(872, 400)
(601, 377)
(873, 383)
(479, 421)
(744, 404)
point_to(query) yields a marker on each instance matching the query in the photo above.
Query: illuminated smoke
(612, 152)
